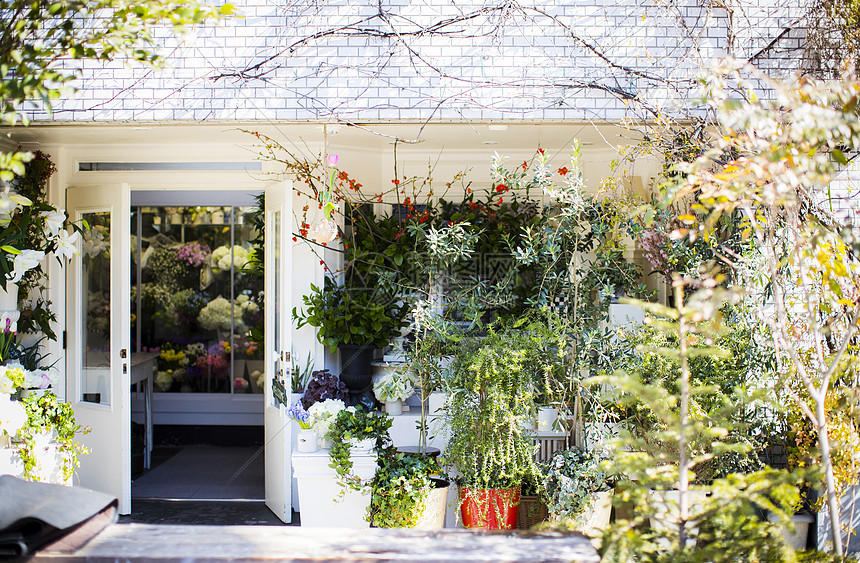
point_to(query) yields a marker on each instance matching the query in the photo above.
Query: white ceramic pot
(394, 408)
(546, 418)
(325, 443)
(306, 441)
(595, 519)
(362, 447)
(435, 508)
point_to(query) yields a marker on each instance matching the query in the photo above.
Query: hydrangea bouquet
(323, 414)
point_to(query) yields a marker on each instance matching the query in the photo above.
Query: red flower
(396, 182)
(540, 150)
(295, 239)
(501, 188)
(563, 171)
(342, 176)
(468, 190)
(525, 165)
(322, 262)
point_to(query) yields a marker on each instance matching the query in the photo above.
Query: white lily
(67, 244)
(53, 222)
(9, 203)
(27, 260)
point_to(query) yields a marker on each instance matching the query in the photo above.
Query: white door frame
(121, 432)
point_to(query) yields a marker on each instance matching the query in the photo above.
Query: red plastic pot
(490, 509)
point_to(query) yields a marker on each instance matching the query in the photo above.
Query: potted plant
(322, 386)
(306, 440)
(578, 490)
(395, 386)
(46, 442)
(355, 431)
(334, 486)
(409, 491)
(491, 398)
(352, 322)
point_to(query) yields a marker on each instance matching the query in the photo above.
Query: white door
(97, 357)
(278, 432)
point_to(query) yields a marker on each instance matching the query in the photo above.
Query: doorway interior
(197, 324)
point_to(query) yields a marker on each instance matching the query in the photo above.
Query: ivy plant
(353, 425)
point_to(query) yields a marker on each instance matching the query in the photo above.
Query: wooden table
(160, 542)
(141, 373)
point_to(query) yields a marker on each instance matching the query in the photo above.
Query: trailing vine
(353, 425)
(44, 414)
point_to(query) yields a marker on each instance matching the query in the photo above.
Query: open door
(278, 432)
(98, 340)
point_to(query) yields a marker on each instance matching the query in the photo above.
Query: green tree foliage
(42, 44)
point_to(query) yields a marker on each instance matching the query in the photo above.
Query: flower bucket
(490, 509)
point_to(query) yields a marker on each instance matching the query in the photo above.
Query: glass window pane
(276, 292)
(200, 298)
(95, 298)
(248, 366)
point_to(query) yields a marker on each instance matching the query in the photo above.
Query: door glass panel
(248, 327)
(95, 296)
(276, 297)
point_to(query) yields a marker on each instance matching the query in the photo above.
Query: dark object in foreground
(33, 515)
(137, 542)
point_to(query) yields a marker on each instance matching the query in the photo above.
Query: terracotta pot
(490, 509)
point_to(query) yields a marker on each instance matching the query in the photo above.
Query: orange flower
(563, 171)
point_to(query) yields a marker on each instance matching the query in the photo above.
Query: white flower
(9, 203)
(27, 260)
(53, 222)
(323, 414)
(216, 314)
(13, 417)
(7, 386)
(221, 257)
(67, 244)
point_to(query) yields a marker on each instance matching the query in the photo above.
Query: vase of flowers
(307, 438)
(323, 414)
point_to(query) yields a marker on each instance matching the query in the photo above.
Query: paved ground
(201, 472)
(227, 513)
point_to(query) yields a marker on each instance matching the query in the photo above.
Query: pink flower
(332, 160)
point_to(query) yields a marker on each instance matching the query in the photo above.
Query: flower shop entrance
(109, 328)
